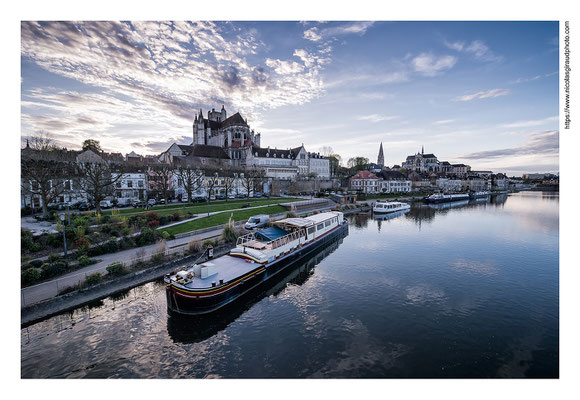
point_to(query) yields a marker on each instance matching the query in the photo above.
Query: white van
(106, 204)
(257, 221)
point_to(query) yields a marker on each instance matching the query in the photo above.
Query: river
(468, 289)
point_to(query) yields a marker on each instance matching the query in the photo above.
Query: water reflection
(192, 329)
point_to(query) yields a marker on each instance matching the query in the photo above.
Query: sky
(479, 93)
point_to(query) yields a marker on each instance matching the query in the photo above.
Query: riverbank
(53, 303)
(81, 297)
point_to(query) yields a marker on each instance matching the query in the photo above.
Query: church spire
(381, 159)
(422, 150)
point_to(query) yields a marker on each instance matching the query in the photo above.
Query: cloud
(444, 121)
(484, 95)
(359, 28)
(162, 73)
(376, 117)
(522, 80)
(546, 142)
(530, 123)
(477, 49)
(430, 65)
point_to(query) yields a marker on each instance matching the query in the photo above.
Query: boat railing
(250, 238)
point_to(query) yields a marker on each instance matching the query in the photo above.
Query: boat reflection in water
(393, 215)
(184, 328)
(444, 206)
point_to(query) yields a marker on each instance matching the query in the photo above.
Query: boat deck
(227, 268)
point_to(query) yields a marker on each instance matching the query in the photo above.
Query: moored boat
(479, 195)
(443, 198)
(381, 207)
(258, 257)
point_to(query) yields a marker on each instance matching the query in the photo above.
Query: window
(140, 183)
(319, 227)
(310, 231)
(130, 184)
(327, 223)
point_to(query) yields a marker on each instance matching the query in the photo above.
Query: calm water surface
(469, 290)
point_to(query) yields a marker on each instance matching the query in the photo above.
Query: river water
(462, 290)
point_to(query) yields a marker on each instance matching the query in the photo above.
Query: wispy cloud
(376, 117)
(546, 142)
(484, 95)
(444, 121)
(314, 34)
(534, 78)
(430, 65)
(477, 49)
(531, 123)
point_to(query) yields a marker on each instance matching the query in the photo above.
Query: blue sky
(480, 93)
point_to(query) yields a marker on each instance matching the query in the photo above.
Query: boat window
(319, 227)
(327, 223)
(310, 231)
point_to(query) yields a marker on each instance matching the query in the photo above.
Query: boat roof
(299, 222)
(321, 217)
(271, 233)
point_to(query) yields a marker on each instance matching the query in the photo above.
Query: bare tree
(230, 177)
(42, 171)
(191, 177)
(42, 178)
(97, 179)
(161, 179)
(211, 181)
(253, 179)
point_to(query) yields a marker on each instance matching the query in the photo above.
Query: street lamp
(62, 216)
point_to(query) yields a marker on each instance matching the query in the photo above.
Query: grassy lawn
(222, 218)
(198, 208)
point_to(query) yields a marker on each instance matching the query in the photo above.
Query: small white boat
(381, 207)
(479, 195)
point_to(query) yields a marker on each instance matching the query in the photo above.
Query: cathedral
(233, 134)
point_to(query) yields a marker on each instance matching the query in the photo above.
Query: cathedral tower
(381, 159)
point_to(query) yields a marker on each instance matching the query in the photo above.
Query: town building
(421, 162)
(394, 182)
(131, 186)
(365, 182)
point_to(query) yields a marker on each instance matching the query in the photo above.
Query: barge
(257, 258)
(444, 198)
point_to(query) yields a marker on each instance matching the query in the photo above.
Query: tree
(93, 145)
(42, 172)
(161, 179)
(191, 177)
(211, 181)
(252, 179)
(334, 162)
(97, 179)
(357, 163)
(42, 178)
(231, 178)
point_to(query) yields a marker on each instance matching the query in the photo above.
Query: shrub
(151, 216)
(26, 238)
(35, 247)
(176, 216)
(30, 276)
(195, 246)
(83, 244)
(157, 257)
(80, 221)
(36, 263)
(92, 279)
(114, 233)
(105, 219)
(208, 243)
(25, 266)
(164, 220)
(106, 228)
(84, 261)
(126, 231)
(116, 269)
(165, 235)
(110, 246)
(54, 257)
(230, 233)
(126, 243)
(147, 236)
(50, 270)
(153, 224)
(139, 256)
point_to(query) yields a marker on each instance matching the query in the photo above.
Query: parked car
(139, 204)
(85, 206)
(199, 199)
(258, 195)
(221, 197)
(151, 202)
(161, 201)
(245, 205)
(257, 221)
(212, 197)
(240, 196)
(231, 196)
